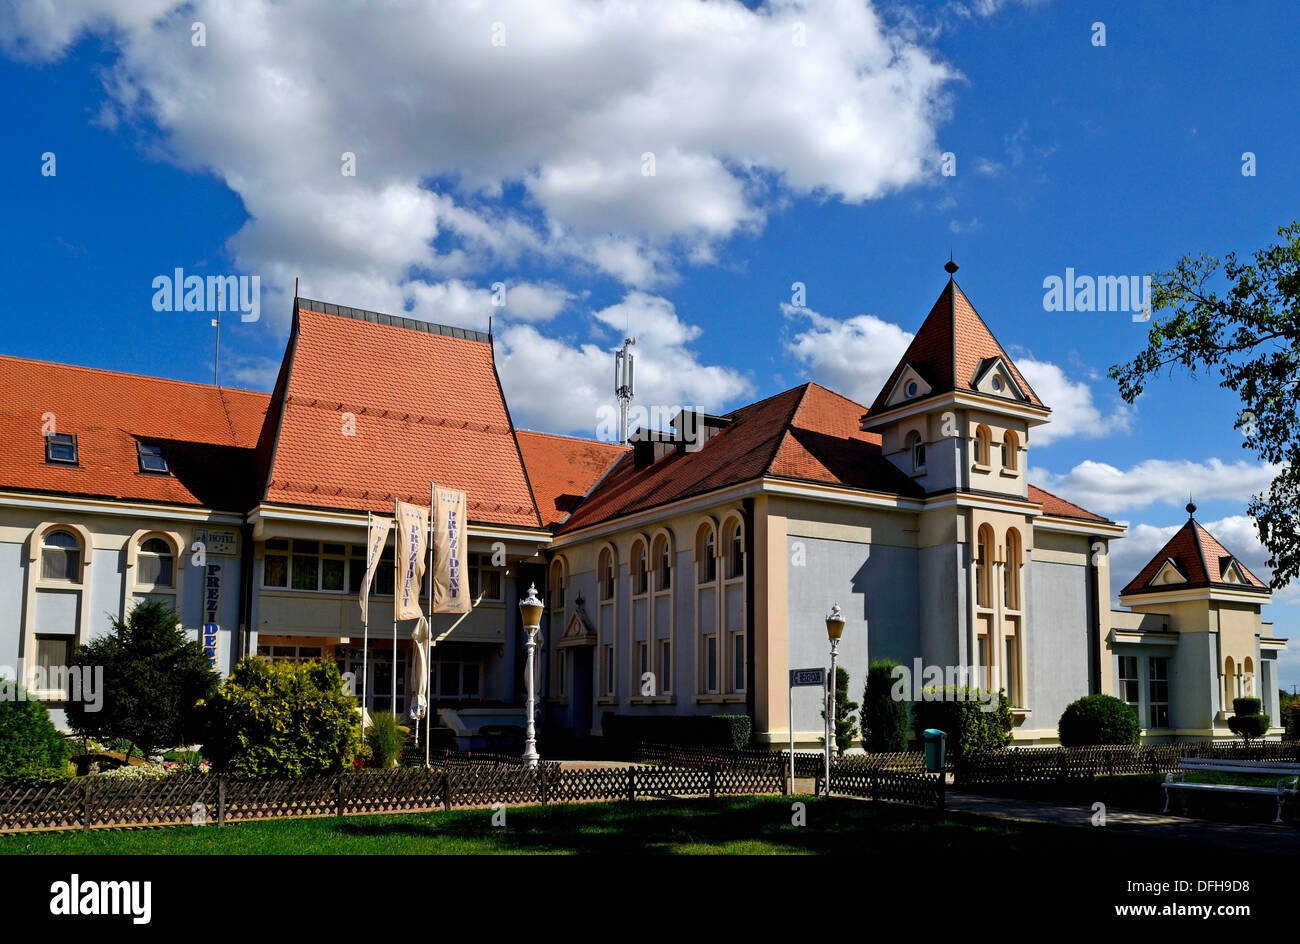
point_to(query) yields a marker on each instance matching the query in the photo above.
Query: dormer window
(997, 383)
(912, 389)
(61, 448)
(151, 458)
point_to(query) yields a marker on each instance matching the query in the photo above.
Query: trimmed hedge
(1098, 719)
(726, 731)
(962, 714)
(1248, 719)
(28, 739)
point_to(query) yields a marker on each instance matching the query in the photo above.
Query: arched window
(640, 580)
(1011, 573)
(706, 554)
(735, 550)
(1010, 450)
(982, 445)
(1229, 680)
(917, 450)
(1248, 677)
(983, 557)
(155, 564)
(60, 556)
(663, 563)
(605, 571)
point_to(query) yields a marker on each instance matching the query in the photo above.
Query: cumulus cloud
(563, 384)
(620, 138)
(1105, 488)
(1074, 414)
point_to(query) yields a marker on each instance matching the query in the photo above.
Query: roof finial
(1191, 508)
(950, 267)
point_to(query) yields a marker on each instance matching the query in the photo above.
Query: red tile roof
(950, 348)
(207, 434)
(1200, 558)
(562, 469)
(1059, 507)
(807, 433)
(427, 405)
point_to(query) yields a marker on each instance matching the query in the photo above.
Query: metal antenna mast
(624, 386)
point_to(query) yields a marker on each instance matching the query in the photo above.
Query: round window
(912, 388)
(997, 383)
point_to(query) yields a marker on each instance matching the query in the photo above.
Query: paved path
(1264, 836)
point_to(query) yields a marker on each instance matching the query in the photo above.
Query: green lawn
(735, 825)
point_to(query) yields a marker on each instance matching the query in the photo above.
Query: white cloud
(1104, 488)
(1073, 410)
(853, 357)
(493, 152)
(557, 383)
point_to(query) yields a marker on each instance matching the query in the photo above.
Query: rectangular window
(710, 664)
(53, 652)
(643, 659)
(484, 579)
(61, 448)
(738, 662)
(306, 569)
(1158, 690)
(665, 666)
(151, 458)
(154, 570)
(1129, 687)
(275, 565)
(1012, 671)
(609, 670)
(561, 674)
(331, 574)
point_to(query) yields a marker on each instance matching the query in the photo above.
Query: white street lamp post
(834, 629)
(530, 608)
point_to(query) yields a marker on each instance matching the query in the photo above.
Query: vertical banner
(211, 611)
(412, 532)
(450, 572)
(375, 541)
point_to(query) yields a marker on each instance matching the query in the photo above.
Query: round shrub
(283, 720)
(1248, 719)
(28, 738)
(1098, 719)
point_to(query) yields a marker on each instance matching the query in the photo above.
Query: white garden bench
(1286, 787)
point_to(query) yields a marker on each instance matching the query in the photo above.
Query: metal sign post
(800, 678)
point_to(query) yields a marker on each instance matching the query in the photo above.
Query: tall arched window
(1011, 573)
(735, 550)
(982, 445)
(640, 570)
(605, 572)
(1248, 677)
(1010, 450)
(557, 613)
(663, 563)
(60, 556)
(706, 554)
(917, 450)
(1229, 682)
(606, 623)
(983, 558)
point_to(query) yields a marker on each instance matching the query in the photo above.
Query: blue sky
(521, 162)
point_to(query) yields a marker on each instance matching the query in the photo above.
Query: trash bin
(936, 746)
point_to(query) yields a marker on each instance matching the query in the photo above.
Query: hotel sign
(219, 542)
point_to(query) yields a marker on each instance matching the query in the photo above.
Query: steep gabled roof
(427, 407)
(207, 434)
(563, 469)
(950, 350)
(807, 433)
(1199, 557)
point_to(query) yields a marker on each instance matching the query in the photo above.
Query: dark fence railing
(1019, 765)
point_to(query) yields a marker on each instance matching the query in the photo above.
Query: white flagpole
(428, 652)
(392, 706)
(365, 634)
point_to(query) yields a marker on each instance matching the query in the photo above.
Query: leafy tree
(1250, 336)
(884, 720)
(974, 720)
(846, 725)
(284, 720)
(28, 739)
(154, 679)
